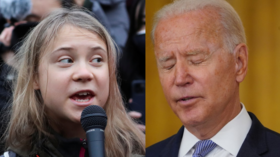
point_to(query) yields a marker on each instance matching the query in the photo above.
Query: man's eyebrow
(195, 52)
(164, 58)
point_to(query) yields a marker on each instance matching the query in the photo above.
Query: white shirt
(229, 139)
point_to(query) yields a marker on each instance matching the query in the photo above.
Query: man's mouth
(82, 96)
(186, 99)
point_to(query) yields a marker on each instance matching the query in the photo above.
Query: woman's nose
(82, 73)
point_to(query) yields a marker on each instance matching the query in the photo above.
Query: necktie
(202, 148)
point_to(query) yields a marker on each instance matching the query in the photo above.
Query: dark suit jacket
(260, 142)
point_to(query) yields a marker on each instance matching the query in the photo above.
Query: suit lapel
(172, 148)
(248, 150)
(255, 142)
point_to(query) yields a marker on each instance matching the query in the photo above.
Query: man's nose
(83, 73)
(183, 76)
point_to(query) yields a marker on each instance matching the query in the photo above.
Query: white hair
(233, 31)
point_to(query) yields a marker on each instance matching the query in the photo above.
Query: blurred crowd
(124, 20)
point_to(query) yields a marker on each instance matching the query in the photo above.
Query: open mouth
(82, 96)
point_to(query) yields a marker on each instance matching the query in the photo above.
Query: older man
(202, 57)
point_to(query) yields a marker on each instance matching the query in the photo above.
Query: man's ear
(241, 61)
(36, 83)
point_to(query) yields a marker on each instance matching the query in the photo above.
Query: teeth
(83, 93)
(82, 100)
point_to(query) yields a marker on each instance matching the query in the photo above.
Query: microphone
(94, 121)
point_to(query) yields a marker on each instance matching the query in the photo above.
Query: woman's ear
(241, 61)
(36, 83)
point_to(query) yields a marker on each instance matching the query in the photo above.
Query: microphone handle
(95, 142)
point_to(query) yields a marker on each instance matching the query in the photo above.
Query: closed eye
(196, 62)
(169, 67)
(197, 59)
(166, 66)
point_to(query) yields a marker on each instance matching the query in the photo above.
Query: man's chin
(191, 120)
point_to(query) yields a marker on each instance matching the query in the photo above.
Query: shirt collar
(188, 141)
(230, 137)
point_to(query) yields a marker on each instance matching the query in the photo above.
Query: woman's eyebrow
(98, 48)
(69, 48)
(63, 48)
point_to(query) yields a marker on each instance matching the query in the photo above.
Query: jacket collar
(63, 146)
(172, 148)
(255, 143)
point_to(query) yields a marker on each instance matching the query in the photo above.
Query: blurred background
(260, 91)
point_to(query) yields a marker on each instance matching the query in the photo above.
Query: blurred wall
(260, 92)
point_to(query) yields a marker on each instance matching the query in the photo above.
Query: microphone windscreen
(92, 117)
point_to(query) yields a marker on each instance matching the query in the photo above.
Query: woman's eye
(97, 60)
(66, 60)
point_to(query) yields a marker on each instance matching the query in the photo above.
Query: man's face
(197, 74)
